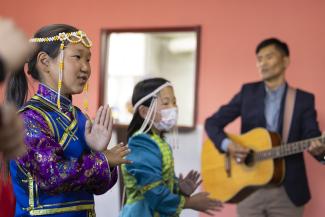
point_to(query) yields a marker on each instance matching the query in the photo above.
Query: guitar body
(242, 179)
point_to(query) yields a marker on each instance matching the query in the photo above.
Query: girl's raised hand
(99, 133)
(190, 183)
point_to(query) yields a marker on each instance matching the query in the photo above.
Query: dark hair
(17, 86)
(280, 45)
(142, 89)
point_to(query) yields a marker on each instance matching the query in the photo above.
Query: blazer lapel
(261, 104)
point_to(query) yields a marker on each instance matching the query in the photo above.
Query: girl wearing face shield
(150, 184)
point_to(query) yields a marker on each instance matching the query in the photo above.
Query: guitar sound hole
(249, 160)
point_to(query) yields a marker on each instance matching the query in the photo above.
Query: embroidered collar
(51, 96)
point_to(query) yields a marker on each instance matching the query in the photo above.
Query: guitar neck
(287, 149)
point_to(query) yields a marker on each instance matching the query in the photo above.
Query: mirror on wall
(130, 55)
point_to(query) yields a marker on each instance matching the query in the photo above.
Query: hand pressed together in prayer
(98, 135)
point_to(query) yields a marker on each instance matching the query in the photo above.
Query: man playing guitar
(261, 104)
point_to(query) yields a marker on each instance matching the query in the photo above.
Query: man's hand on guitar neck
(317, 149)
(238, 152)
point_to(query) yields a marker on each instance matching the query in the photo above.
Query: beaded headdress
(71, 37)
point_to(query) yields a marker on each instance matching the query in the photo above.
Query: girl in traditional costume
(150, 183)
(67, 160)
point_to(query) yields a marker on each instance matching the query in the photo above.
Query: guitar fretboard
(286, 149)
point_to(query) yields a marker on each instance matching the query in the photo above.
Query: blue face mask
(168, 119)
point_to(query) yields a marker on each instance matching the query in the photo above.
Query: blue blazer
(249, 105)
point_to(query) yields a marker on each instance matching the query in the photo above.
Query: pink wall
(230, 31)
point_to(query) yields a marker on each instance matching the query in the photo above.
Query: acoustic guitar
(231, 182)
